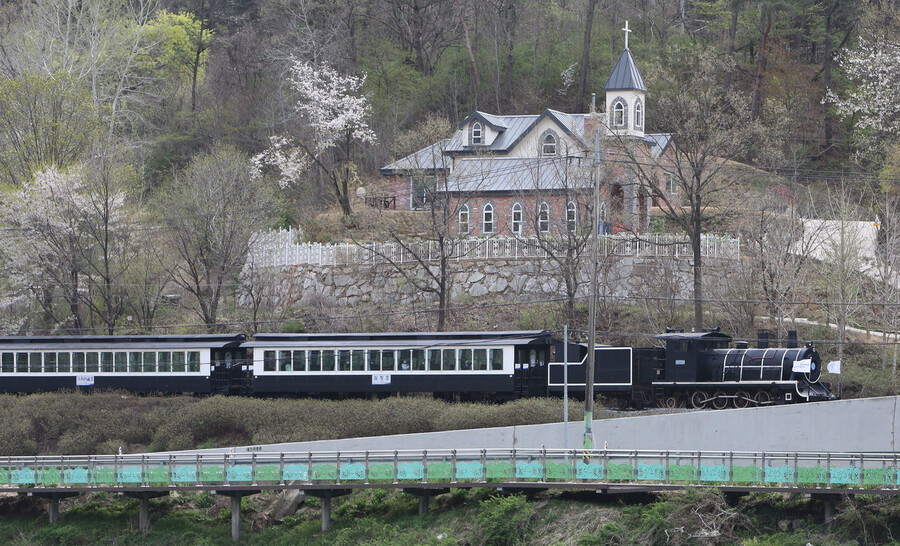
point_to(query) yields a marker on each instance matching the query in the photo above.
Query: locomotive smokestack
(762, 340)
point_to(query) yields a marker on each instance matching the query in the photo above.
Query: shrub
(504, 520)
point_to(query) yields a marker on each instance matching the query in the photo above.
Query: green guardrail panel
(51, 476)
(812, 475)
(440, 472)
(184, 474)
(682, 473)
(23, 476)
(588, 471)
(384, 471)
(499, 470)
(469, 470)
(845, 476)
(714, 473)
(296, 472)
(324, 472)
(268, 473)
(532, 470)
(211, 474)
(779, 474)
(878, 476)
(239, 473)
(746, 474)
(651, 472)
(4, 476)
(560, 470)
(410, 471)
(103, 476)
(130, 474)
(158, 475)
(76, 475)
(620, 472)
(353, 472)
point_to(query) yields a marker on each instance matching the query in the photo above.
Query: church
(533, 175)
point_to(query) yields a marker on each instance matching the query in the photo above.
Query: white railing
(280, 248)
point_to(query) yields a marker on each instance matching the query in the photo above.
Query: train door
(230, 372)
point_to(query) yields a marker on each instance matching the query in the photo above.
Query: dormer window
(477, 133)
(639, 115)
(620, 113)
(548, 144)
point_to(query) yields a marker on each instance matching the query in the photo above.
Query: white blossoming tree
(872, 103)
(333, 115)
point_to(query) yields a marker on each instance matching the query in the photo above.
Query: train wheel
(719, 401)
(622, 403)
(671, 402)
(661, 403)
(763, 398)
(742, 399)
(698, 400)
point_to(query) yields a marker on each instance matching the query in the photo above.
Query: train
(694, 369)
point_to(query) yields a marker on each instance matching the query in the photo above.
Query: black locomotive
(702, 369)
(693, 369)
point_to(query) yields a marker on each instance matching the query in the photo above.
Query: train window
(327, 361)
(269, 361)
(418, 359)
(284, 361)
(7, 363)
(92, 362)
(315, 361)
(193, 358)
(434, 359)
(299, 361)
(77, 362)
(481, 359)
(22, 362)
(165, 362)
(449, 359)
(404, 358)
(358, 360)
(465, 359)
(121, 363)
(50, 362)
(387, 360)
(375, 361)
(135, 362)
(496, 359)
(35, 363)
(177, 361)
(344, 361)
(62, 362)
(106, 362)
(149, 362)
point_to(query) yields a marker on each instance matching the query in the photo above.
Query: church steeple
(626, 95)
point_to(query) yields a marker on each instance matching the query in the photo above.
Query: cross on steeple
(626, 29)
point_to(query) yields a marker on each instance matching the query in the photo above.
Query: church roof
(515, 128)
(625, 76)
(479, 175)
(429, 160)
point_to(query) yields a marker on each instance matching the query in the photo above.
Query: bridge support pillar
(236, 497)
(828, 502)
(424, 494)
(53, 502)
(326, 495)
(143, 498)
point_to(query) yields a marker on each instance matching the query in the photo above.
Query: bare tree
(711, 129)
(211, 211)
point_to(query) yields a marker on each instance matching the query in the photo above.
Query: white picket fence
(280, 248)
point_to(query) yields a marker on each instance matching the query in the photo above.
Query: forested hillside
(143, 142)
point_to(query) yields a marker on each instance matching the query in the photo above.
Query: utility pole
(592, 305)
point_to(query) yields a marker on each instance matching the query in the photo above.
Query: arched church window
(516, 219)
(639, 115)
(548, 144)
(571, 216)
(487, 216)
(544, 218)
(464, 219)
(620, 113)
(477, 133)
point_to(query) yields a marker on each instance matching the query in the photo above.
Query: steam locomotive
(693, 369)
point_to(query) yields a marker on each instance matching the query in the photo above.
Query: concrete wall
(864, 425)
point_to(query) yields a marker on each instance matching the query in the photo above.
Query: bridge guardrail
(448, 466)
